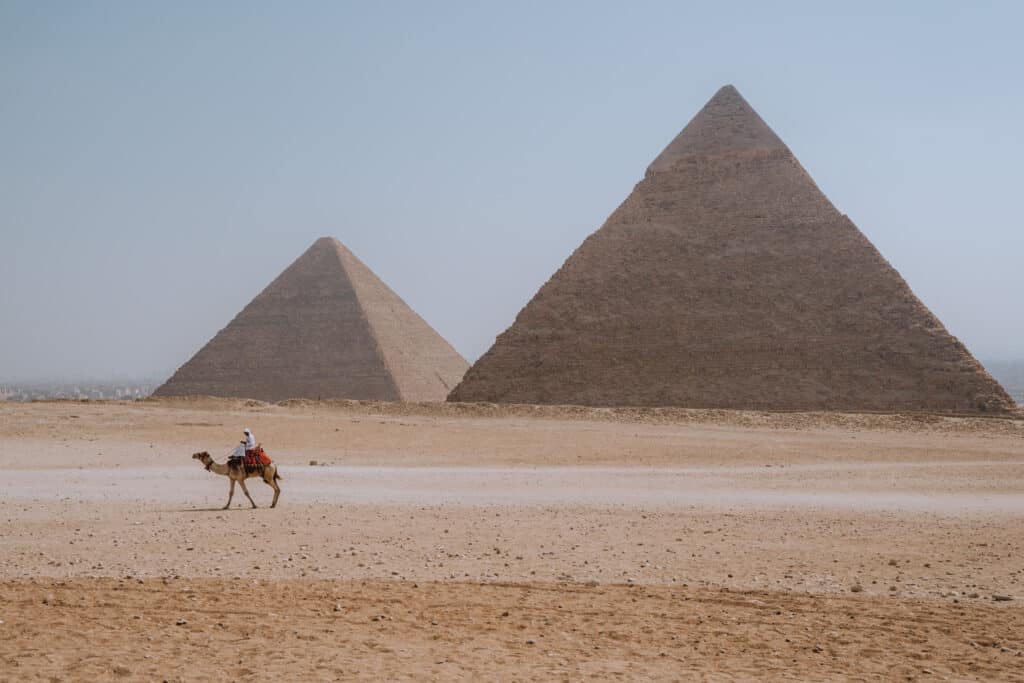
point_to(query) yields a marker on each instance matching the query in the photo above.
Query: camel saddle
(255, 459)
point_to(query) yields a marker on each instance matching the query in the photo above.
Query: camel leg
(231, 493)
(273, 484)
(246, 492)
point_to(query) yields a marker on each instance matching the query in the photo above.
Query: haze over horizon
(164, 163)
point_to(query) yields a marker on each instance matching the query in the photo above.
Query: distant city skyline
(163, 163)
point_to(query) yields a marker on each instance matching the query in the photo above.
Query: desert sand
(478, 542)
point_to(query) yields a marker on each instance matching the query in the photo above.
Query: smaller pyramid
(326, 327)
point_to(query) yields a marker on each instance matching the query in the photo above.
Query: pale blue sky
(162, 162)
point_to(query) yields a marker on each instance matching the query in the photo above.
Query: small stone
(892, 563)
(1002, 598)
(531, 642)
(181, 622)
(313, 463)
(338, 607)
(816, 648)
(856, 588)
(49, 599)
(973, 595)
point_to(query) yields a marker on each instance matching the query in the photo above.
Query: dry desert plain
(475, 542)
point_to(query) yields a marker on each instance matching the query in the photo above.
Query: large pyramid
(728, 280)
(327, 327)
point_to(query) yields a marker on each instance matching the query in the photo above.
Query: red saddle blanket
(255, 457)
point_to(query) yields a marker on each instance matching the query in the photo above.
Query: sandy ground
(522, 543)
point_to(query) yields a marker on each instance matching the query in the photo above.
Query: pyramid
(327, 327)
(728, 280)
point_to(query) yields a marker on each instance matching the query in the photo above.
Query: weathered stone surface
(728, 280)
(327, 327)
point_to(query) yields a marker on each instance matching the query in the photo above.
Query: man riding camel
(249, 440)
(247, 445)
(249, 453)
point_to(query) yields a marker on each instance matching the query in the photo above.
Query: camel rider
(246, 445)
(249, 440)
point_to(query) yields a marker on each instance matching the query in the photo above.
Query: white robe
(250, 443)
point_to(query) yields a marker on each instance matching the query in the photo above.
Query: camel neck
(216, 467)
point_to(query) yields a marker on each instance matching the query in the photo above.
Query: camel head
(203, 457)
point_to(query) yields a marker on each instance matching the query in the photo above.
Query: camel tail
(277, 476)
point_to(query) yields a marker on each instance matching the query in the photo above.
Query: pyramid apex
(330, 244)
(726, 124)
(327, 241)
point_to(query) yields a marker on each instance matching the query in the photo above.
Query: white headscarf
(250, 440)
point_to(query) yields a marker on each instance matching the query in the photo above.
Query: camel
(234, 471)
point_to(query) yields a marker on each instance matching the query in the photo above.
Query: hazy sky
(162, 162)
